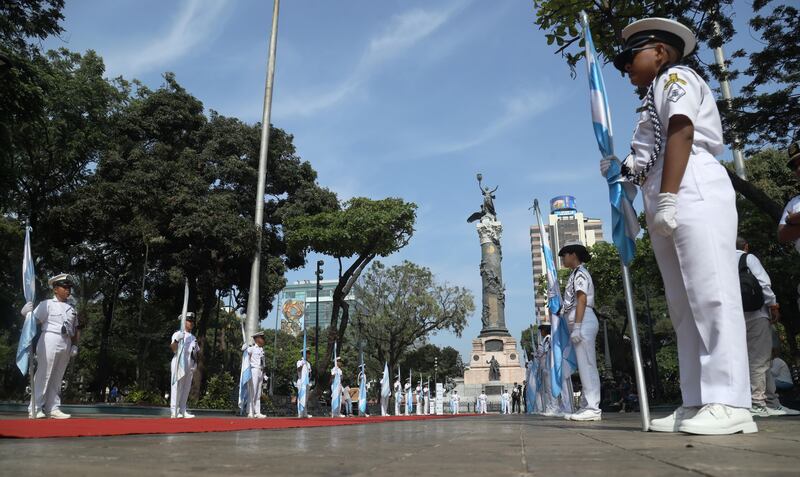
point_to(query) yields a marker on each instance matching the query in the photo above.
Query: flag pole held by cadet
(625, 226)
(25, 348)
(180, 371)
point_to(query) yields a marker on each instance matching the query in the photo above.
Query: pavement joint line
(745, 449)
(525, 467)
(646, 456)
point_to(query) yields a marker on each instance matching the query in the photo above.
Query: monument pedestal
(504, 350)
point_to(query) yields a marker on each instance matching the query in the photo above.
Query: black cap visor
(641, 39)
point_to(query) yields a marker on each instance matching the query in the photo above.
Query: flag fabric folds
(29, 289)
(302, 382)
(362, 387)
(564, 361)
(336, 386)
(624, 222)
(386, 389)
(180, 372)
(410, 395)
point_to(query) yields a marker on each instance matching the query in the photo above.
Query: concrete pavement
(490, 445)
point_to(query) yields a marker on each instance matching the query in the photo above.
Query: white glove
(575, 336)
(27, 308)
(180, 336)
(664, 222)
(605, 164)
(266, 378)
(244, 347)
(73, 351)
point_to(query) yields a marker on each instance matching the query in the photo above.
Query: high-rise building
(565, 224)
(299, 300)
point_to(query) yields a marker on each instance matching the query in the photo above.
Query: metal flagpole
(253, 315)
(275, 341)
(725, 87)
(622, 212)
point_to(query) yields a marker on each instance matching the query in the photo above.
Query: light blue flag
(180, 372)
(624, 223)
(410, 395)
(386, 389)
(563, 361)
(362, 392)
(29, 289)
(245, 377)
(302, 384)
(336, 386)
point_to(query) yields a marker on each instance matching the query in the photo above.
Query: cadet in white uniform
(544, 389)
(255, 355)
(179, 390)
(57, 343)
(418, 390)
(482, 402)
(690, 207)
(398, 397)
(578, 307)
(789, 225)
(409, 398)
(426, 399)
(303, 373)
(506, 397)
(455, 402)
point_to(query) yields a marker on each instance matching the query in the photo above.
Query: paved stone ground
(490, 445)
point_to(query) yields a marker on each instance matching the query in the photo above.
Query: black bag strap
(743, 263)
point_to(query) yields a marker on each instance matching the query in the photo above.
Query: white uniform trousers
(427, 405)
(179, 391)
(587, 361)
(384, 405)
(397, 404)
(419, 407)
(52, 354)
(699, 267)
(254, 405)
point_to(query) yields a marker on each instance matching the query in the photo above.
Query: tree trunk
(101, 376)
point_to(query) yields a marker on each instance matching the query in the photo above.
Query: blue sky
(392, 98)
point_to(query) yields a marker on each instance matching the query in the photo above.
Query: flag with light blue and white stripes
(624, 222)
(29, 290)
(564, 361)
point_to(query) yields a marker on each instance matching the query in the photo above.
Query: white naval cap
(62, 279)
(647, 30)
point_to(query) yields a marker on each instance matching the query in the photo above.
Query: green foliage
(669, 374)
(219, 393)
(145, 397)
(401, 306)
(423, 360)
(767, 109)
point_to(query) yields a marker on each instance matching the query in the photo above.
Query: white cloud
(197, 22)
(403, 32)
(515, 110)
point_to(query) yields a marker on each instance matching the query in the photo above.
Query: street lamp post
(319, 271)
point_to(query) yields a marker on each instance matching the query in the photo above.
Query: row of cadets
(690, 208)
(57, 343)
(578, 306)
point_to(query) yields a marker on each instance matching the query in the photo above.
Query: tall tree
(401, 306)
(361, 230)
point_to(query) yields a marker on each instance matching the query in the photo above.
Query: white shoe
(586, 415)
(173, 415)
(40, 415)
(57, 414)
(719, 419)
(186, 415)
(759, 411)
(179, 416)
(672, 422)
(781, 411)
(250, 416)
(260, 416)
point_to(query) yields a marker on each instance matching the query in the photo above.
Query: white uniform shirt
(579, 280)
(754, 264)
(792, 207)
(397, 386)
(300, 363)
(256, 355)
(336, 371)
(482, 398)
(189, 350)
(53, 314)
(678, 91)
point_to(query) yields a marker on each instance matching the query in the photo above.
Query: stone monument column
(493, 317)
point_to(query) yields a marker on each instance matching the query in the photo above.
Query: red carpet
(81, 427)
